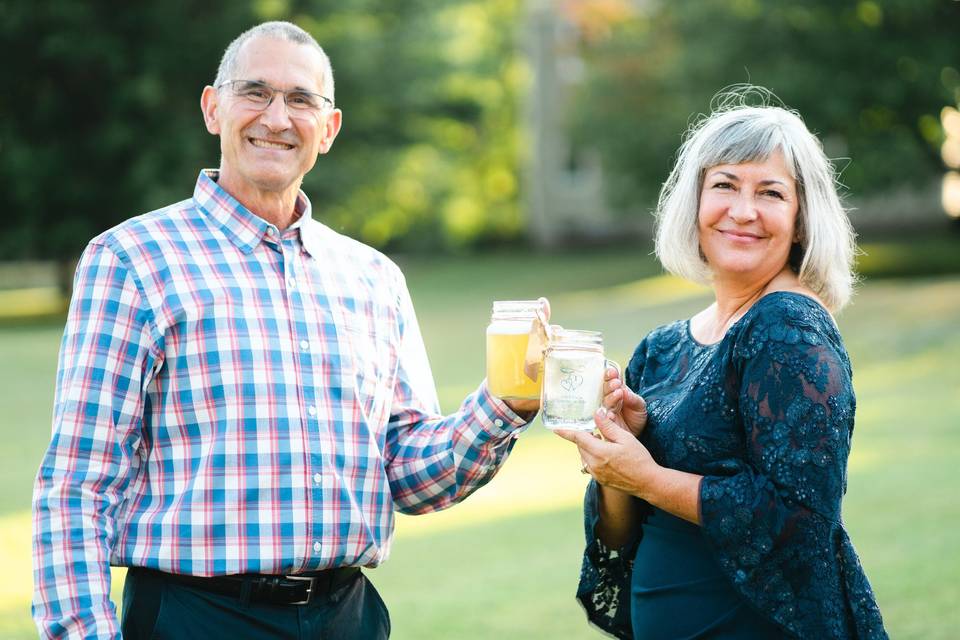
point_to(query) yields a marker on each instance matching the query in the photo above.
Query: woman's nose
(743, 209)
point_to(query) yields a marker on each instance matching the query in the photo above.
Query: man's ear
(209, 101)
(330, 130)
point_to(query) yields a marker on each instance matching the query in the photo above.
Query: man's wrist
(525, 409)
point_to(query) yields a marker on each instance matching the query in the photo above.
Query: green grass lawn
(504, 564)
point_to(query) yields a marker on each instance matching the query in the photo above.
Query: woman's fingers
(587, 443)
(609, 428)
(633, 401)
(613, 399)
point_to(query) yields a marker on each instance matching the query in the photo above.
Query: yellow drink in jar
(506, 353)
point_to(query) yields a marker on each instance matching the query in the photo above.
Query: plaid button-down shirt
(232, 398)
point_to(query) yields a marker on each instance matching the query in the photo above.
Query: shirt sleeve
(435, 461)
(108, 350)
(773, 518)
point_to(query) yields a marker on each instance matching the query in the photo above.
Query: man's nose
(276, 117)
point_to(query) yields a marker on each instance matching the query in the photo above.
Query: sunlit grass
(17, 584)
(542, 476)
(504, 564)
(33, 302)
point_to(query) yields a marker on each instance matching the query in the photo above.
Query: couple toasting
(243, 400)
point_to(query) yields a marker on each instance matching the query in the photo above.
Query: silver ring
(584, 470)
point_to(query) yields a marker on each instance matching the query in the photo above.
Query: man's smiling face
(270, 150)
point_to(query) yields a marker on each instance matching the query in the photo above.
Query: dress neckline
(730, 330)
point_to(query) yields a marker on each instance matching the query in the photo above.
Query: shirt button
(498, 422)
(291, 282)
(304, 345)
(312, 410)
(317, 478)
(316, 547)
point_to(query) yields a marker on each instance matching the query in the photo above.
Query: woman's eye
(773, 194)
(723, 185)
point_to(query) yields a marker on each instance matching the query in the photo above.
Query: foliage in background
(869, 77)
(101, 113)
(101, 117)
(428, 152)
(101, 121)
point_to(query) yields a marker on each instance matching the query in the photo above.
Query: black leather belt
(272, 589)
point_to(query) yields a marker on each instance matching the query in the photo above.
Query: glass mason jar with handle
(513, 368)
(573, 373)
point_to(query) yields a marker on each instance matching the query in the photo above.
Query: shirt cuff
(498, 419)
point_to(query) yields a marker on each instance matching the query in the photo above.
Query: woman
(714, 510)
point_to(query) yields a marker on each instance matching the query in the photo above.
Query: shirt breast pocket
(368, 359)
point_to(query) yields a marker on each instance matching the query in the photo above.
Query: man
(243, 396)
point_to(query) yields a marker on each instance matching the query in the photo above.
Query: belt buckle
(312, 580)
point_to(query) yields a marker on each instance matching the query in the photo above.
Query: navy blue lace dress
(766, 417)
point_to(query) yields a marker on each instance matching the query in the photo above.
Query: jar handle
(613, 364)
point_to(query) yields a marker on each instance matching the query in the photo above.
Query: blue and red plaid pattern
(232, 398)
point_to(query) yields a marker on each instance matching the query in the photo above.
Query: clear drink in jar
(573, 371)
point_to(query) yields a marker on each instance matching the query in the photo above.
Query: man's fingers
(545, 305)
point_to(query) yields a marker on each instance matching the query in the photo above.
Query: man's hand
(526, 409)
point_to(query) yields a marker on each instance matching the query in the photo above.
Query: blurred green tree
(870, 77)
(428, 154)
(101, 116)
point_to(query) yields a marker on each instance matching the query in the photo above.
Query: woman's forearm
(676, 492)
(619, 517)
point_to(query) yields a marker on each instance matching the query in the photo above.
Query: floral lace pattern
(604, 588)
(766, 416)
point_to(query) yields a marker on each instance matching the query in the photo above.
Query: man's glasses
(259, 95)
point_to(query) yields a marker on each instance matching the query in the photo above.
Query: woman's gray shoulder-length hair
(734, 133)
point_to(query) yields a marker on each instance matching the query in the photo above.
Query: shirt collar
(245, 228)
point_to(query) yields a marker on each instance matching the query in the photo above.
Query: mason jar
(573, 372)
(511, 374)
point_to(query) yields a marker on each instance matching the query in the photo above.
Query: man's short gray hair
(735, 133)
(280, 31)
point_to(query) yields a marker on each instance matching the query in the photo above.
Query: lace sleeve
(773, 518)
(606, 573)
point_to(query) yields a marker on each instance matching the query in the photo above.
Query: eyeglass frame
(325, 102)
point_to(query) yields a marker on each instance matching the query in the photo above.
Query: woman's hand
(629, 409)
(618, 460)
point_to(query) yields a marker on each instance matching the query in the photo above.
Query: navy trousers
(155, 608)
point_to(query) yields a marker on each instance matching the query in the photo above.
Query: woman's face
(747, 219)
